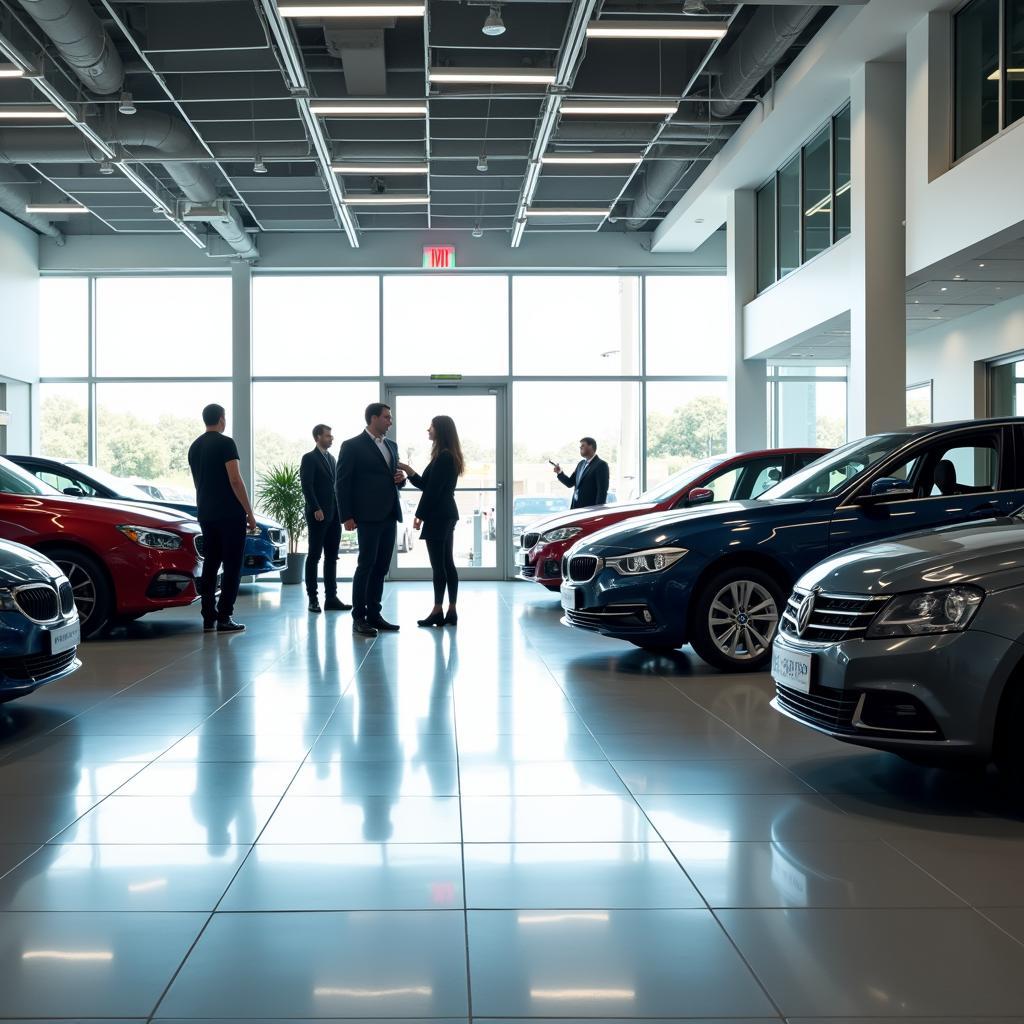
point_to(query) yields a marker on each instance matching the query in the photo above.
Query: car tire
(735, 617)
(94, 595)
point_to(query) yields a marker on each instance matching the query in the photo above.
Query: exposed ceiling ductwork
(15, 192)
(360, 48)
(84, 43)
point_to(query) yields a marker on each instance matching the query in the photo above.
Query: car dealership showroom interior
(512, 510)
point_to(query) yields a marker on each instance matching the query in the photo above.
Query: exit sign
(438, 257)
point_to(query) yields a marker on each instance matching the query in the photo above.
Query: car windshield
(117, 484)
(538, 506)
(834, 471)
(14, 480)
(674, 484)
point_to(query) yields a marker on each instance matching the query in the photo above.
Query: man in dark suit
(367, 490)
(317, 473)
(589, 481)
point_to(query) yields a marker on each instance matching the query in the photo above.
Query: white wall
(19, 322)
(953, 355)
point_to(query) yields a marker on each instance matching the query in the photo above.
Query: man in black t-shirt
(224, 514)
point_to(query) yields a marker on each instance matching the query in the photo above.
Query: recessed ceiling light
(370, 108)
(493, 76)
(32, 114)
(386, 199)
(55, 208)
(623, 109)
(380, 168)
(981, 264)
(943, 289)
(609, 29)
(630, 159)
(562, 211)
(358, 10)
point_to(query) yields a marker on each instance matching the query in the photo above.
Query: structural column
(748, 392)
(878, 329)
(240, 427)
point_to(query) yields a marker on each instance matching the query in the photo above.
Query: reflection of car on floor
(123, 559)
(913, 645)
(265, 552)
(718, 576)
(721, 478)
(39, 630)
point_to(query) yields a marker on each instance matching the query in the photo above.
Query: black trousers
(324, 539)
(376, 542)
(223, 545)
(442, 564)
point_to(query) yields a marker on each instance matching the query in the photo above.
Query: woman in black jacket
(437, 514)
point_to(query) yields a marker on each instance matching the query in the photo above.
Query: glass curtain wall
(807, 406)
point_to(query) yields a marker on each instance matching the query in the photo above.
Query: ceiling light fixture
(369, 108)
(358, 10)
(126, 105)
(629, 159)
(626, 109)
(695, 7)
(106, 167)
(1011, 73)
(56, 208)
(610, 29)
(553, 211)
(259, 167)
(481, 163)
(380, 168)
(387, 199)
(493, 25)
(33, 114)
(9, 70)
(478, 232)
(493, 76)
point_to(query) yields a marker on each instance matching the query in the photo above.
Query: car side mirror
(884, 489)
(75, 492)
(700, 496)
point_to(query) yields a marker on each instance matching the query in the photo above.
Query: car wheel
(94, 596)
(735, 619)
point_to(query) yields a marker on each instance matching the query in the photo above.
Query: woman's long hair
(446, 438)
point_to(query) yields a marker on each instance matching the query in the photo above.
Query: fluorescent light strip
(351, 10)
(609, 29)
(629, 159)
(56, 208)
(566, 212)
(33, 114)
(493, 76)
(1013, 73)
(386, 200)
(619, 109)
(381, 168)
(11, 71)
(417, 109)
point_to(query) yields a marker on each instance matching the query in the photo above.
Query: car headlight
(563, 533)
(948, 610)
(7, 602)
(639, 562)
(162, 540)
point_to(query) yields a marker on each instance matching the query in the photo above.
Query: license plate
(792, 668)
(64, 638)
(521, 558)
(571, 598)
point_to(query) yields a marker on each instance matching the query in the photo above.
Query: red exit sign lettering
(438, 257)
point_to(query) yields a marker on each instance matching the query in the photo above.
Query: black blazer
(437, 483)
(366, 488)
(317, 475)
(591, 487)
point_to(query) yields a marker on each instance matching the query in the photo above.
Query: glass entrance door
(479, 415)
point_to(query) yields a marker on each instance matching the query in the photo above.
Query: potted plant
(279, 493)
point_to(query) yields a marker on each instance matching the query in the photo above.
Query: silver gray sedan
(914, 645)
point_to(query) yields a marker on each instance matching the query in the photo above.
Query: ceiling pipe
(14, 194)
(757, 49)
(84, 43)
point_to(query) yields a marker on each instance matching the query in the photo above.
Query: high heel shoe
(433, 619)
(452, 618)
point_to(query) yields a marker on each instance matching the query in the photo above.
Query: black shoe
(209, 624)
(333, 604)
(229, 626)
(363, 628)
(452, 618)
(383, 625)
(433, 619)
(314, 606)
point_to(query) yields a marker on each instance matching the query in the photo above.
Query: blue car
(717, 577)
(39, 631)
(266, 552)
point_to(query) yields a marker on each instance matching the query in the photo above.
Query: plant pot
(294, 571)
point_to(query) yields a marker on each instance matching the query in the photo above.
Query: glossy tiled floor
(507, 821)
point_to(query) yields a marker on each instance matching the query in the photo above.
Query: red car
(721, 478)
(123, 560)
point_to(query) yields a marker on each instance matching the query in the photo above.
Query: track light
(106, 167)
(259, 167)
(493, 25)
(481, 163)
(478, 232)
(126, 105)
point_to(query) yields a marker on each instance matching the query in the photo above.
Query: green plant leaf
(279, 494)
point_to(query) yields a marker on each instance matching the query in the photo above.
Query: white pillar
(878, 331)
(748, 392)
(240, 427)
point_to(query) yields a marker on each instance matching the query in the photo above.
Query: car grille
(36, 667)
(829, 712)
(620, 617)
(527, 540)
(67, 598)
(580, 568)
(528, 571)
(833, 619)
(38, 601)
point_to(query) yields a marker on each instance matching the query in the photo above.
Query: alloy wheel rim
(742, 620)
(83, 587)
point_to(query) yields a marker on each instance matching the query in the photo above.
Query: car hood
(117, 512)
(594, 517)
(990, 554)
(19, 564)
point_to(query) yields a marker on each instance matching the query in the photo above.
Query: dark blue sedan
(266, 552)
(39, 630)
(717, 577)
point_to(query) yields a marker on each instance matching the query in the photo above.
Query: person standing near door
(367, 493)
(224, 514)
(437, 513)
(317, 473)
(589, 480)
